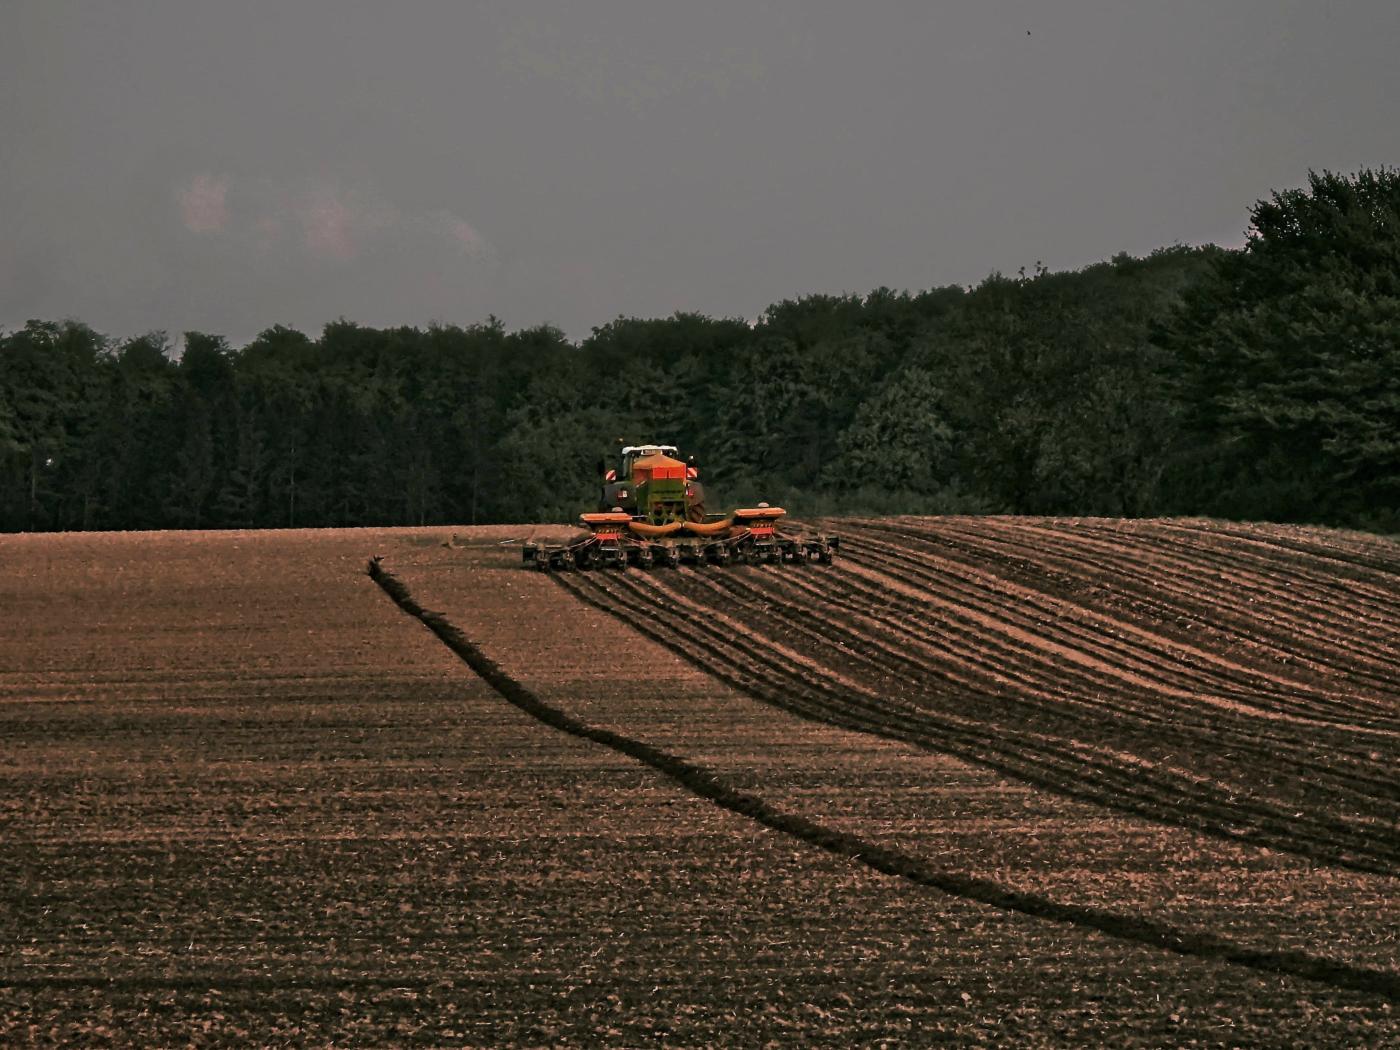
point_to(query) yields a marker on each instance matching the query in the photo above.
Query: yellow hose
(709, 528)
(641, 528)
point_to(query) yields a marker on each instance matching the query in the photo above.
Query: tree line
(1260, 383)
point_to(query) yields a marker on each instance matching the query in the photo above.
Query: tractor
(652, 512)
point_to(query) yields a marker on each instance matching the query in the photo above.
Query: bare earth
(1139, 778)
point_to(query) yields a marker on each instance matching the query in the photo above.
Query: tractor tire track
(1052, 608)
(1288, 572)
(972, 577)
(1320, 618)
(1271, 572)
(1071, 768)
(883, 702)
(896, 632)
(1156, 568)
(1335, 778)
(882, 594)
(1347, 551)
(704, 783)
(1167, 589)
(1337, 664)
(1157, 563)
(1061, 621)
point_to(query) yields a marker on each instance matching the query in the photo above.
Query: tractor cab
(632, 453)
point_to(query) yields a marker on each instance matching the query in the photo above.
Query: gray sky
(231, 166)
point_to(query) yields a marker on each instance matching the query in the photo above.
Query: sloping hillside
(988, 781)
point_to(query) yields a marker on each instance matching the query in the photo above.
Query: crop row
(706, 784)
(1297, 618)
(1087, 706)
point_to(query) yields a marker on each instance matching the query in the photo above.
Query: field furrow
(1342, 553)
(1055, 605)
(708, 785)
(876, 621)
(1346, 640)
(1089, 770)
(1252, 604)
(923, 803)
(973, 785)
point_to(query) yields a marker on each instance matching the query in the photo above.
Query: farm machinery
(652, 513)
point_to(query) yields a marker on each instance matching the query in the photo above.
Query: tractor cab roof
(649, 450)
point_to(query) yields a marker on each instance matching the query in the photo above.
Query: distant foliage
(1261, 383)
(1288, 357)
(899, 439)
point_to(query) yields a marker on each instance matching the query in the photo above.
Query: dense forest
(1262, 383)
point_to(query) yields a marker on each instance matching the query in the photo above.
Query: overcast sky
(226, 167)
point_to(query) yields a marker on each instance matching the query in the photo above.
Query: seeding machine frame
(747, 537)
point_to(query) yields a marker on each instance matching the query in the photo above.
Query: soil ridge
(707, 785)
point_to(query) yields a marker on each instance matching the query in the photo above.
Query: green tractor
(653, 485)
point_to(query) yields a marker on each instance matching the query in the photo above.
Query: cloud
(335, 224)
(204, 204)
(465, 235)
(326, 226)
(326, 221)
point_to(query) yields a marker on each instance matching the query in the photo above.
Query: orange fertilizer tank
(657, 467)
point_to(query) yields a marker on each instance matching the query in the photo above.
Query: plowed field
(987, 781)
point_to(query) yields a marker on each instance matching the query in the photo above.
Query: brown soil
(245, 798)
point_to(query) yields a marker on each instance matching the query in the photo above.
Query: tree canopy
(1259, 383)
(1288, 355)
